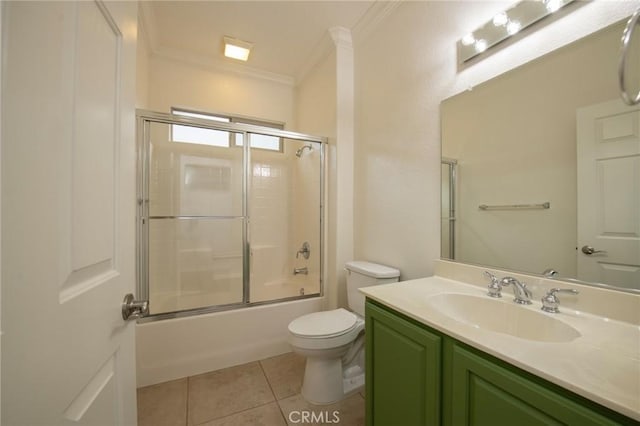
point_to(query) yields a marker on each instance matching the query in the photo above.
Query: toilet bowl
(333, 341)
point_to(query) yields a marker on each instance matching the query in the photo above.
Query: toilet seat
(324, 324)
(325, 330)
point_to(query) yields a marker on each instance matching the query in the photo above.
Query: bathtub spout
(303, 271)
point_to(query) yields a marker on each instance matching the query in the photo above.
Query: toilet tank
(364, 274)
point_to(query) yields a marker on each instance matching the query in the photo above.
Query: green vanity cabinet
(402, 371)
(417, 376)
(485, 393)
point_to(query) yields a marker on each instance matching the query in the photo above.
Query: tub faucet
(303, 271)
(520, 291)
(305, 250)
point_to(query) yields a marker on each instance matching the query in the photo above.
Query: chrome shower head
(301, 150)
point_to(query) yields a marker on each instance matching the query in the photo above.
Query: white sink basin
(503, 316)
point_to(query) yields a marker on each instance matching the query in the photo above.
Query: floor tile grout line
(264, 373)
(187, 403)
(246, 409)
(277, 401)
(282, 413)
(236, 413)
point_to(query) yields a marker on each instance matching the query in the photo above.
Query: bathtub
(174, 348)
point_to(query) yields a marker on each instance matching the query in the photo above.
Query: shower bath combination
(218, 218)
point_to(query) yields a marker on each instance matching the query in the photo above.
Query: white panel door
(609, 194)
(68, 211)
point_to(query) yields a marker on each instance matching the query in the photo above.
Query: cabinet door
(402, 371)
(484, 393)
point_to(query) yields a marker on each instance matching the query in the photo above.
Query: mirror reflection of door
(608, 148)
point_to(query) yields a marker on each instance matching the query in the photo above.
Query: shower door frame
(144, 119)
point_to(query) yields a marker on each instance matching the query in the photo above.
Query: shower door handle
(134, 309)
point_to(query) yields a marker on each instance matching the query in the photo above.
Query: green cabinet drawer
(403, 371)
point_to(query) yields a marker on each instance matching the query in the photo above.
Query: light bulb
(513, 27)
(468, 40)
(553, 5)
(481, 46)
(500, 19)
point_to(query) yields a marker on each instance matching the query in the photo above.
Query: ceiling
(286, 34)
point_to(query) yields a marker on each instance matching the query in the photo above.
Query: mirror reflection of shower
(301, 150)
(449, 171)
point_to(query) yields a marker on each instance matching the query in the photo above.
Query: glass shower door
(285, 210)
(194, 207)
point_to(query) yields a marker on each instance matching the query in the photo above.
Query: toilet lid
(323, 324)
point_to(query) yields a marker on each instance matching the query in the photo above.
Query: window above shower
(220, 138)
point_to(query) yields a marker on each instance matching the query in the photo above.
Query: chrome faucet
(520, 291)
(550, 301)
(303, 271)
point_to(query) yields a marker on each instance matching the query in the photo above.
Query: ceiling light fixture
(237, 49)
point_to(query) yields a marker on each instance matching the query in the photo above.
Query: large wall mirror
(541, 169)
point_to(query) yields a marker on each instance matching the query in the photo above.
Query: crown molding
(337, 36)
(377, 13)
(147, 23)
(333, 37)
(341, 37)
(322, 50)
(215, 65)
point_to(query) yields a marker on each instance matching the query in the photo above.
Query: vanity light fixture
(505, 24)
(237, 49)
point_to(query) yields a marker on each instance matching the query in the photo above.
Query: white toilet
(333, 341)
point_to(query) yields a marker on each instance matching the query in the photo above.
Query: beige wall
(142, 69)
(403, 71)
(325, 106)
(175, 83)
(315, 101)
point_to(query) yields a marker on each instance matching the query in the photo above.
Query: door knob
(590, 250)
(133, 309)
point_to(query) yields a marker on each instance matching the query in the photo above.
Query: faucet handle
(550, 301)
(494, 289)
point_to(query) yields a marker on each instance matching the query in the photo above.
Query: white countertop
(603, 364)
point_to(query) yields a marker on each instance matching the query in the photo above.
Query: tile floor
(265, 392)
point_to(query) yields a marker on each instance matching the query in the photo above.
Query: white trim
(376, 13)
(220, 66)
(321, 51)
(146, 23)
